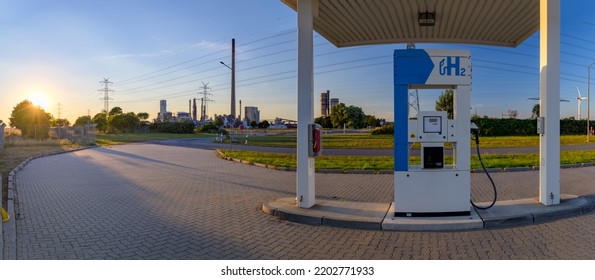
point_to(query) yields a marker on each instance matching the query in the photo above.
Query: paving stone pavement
(147, 201)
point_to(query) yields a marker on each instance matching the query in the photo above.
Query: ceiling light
(427, 19)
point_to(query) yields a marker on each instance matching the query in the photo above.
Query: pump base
(433, 214)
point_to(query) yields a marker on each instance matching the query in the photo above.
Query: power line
(131, 79)
(270, 77)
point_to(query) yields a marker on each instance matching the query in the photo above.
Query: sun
(39, 99)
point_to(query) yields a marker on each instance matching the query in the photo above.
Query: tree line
(348, 116)
(34, 122)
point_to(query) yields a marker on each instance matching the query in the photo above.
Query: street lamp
(589, 100)
(233, 77)
(232, 119)
(225, 65)
(233, 87)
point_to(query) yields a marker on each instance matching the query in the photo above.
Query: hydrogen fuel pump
(432, 188)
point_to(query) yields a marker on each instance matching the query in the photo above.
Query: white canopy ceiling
(367, 22)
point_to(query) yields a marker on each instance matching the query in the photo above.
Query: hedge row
(511, 127)
(172, 127)
(526, 127)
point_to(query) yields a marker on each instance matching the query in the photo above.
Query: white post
(549, 146)
(2, 126)
(305, 164)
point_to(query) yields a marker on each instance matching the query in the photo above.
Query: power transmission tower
(59, 111)
(106, 91)
(414, 101)
(204, 100)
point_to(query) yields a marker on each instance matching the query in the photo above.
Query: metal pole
(589, 101)
(233, 78)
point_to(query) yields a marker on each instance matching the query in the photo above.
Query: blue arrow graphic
(412, 67)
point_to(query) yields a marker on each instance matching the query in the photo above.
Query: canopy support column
(305, 164)
(549, 143)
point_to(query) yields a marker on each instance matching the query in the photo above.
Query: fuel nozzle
(475, 133)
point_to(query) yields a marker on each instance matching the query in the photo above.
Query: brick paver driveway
(147, 201)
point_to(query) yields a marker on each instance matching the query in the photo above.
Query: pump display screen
(432, 124)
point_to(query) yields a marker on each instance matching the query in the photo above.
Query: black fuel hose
(489, 177)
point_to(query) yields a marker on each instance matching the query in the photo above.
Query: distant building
(325, 109)
(167, 116)
(183, 116)
(162, 110)
(251, 114)
(163, 115)
(334, 102)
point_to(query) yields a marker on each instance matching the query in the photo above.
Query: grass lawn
(530, 141)
(386, 162)
(363, 141)
(333, 141)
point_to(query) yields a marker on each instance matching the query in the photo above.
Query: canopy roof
(366, 22)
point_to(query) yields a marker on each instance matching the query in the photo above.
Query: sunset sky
(57, 52)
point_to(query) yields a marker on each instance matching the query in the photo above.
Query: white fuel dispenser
(432, 188)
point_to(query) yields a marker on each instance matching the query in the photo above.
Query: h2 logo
(450, 66)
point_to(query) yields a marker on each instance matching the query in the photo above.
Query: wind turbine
(578, 100)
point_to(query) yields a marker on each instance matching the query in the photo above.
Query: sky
(57, 52)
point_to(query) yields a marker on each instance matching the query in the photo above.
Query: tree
(264, 124)
(101, 120)
(32, 120)
(351, 116)
(357, 118)
(59, 122)
(82, 120)
(115, 111)
(445, 103)
(124, 122)
(143, 115)
(535, 111)
(325, 122)
(372, 121)
(513, 114)
(253, 124)
(219, 121)
(339, 115)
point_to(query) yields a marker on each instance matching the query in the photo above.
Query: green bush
(383, 130)
(211, 128)
(526, 127)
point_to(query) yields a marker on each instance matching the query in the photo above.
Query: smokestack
(233, 78)
(194, 109)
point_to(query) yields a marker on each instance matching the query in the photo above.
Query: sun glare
(39, 99)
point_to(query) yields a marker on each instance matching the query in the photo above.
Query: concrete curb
(359, 215)
(377, 216)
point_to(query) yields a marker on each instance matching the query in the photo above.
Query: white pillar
(305, 164)
(2, 126)
(549, 145)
